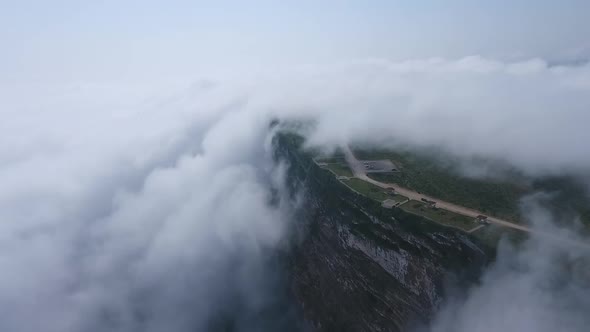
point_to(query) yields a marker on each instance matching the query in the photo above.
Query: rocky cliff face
(360, 267)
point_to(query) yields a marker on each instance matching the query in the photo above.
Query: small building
(429, 203)
(481, 219)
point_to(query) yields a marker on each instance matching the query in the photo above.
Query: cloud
(472, 106)
(540, 286)
(141, 222)
(135, 207)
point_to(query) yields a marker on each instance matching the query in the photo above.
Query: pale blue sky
(103, 38)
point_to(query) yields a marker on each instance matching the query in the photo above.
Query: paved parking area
(379, 166)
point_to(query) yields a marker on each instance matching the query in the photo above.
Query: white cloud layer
(512, 111)
(543, 286)
(146, 219)
(127, 207)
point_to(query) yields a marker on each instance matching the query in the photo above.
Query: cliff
(361, 267)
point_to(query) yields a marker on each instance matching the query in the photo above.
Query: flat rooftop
(379, 166)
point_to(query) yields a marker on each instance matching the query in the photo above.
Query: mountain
(357, 266)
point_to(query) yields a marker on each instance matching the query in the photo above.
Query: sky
(116, 39)
(135, 156)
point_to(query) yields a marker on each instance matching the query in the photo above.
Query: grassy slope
(287, 146)
(439, 215)
(499, 198)
(340, 169)
(372, 191)
(398, 198)
(367, 189)
(332, 160)
(491, 234)
(569, 196)
(426, 175)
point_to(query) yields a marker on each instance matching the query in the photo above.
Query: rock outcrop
(361, 267)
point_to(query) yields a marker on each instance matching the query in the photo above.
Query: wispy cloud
(134, 211)
(540, 285)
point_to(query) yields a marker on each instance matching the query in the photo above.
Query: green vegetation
(428, 175)
(288, 146)
(340, 169)
(568, 197)
(439, 215)
(332, 160)
(491, 234)
(436, 175)
(367, 189)
(398, 198)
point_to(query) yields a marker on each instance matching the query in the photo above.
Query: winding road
(358, 169)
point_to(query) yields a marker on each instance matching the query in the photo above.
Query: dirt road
(358, 169)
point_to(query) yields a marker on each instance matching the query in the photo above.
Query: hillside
(362, 267)
(438, 175)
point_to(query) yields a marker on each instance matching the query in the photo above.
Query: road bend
(358, 169)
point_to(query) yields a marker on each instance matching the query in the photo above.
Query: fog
(148, 207)
(541, 285)
(145, 221)
(472, 106)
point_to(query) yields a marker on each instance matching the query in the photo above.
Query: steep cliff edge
(361, 267)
